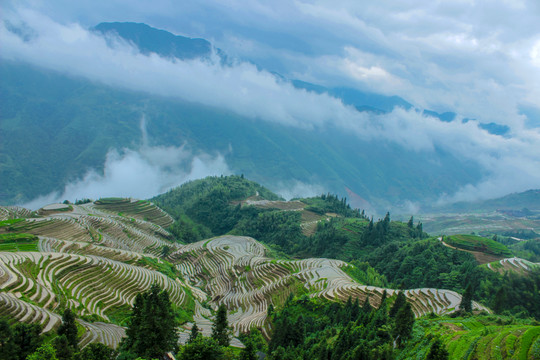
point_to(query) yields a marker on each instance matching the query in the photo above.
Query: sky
(479, 59)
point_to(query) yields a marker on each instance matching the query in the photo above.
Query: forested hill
(385, 252)
(289, 295)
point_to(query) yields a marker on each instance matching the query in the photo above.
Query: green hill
(478, 243)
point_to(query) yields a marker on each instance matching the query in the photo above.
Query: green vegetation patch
(163, 266)
(17, 238)
(6, 223)
(478, 243)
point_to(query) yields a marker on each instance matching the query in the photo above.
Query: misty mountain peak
(161, 42)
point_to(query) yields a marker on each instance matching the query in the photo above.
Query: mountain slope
(79, 244)
(44, 112)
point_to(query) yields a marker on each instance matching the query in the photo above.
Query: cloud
(298, 189)
(258, 94)
(139, 174)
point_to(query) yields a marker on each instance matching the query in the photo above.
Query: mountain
(151, 40)
(529, 199)
(56, 128)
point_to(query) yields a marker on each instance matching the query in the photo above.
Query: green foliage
(64, 350)
(319, 329)
(97, 351)
(437, 351)
(8, 350)
(26, 338)
(480, 337)
(329, 203)
(404, 322)
(44, 352)
(69, 328)
(466, 300)
(202, 348)
(15, 238)
(528, 250)
(194, 333)
(365, 274)
(220, 329)
(477, 243)
(9, 222)
(152, 328)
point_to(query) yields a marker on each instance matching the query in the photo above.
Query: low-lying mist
(140, 174)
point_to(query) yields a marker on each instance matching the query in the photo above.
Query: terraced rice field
(88, 259)
(517, 265)
(234, 271)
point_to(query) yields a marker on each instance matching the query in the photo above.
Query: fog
(512, 163)
(139, 174)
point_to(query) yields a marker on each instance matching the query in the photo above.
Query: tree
(194, 333)
(404, 323)
(437, 351)
(248, 353)
(466, 300)
(7, 346)
(152, 326)
(383, 299)
(398, 303)
(410, 224)
(68, 328)
(220, 329)
(165, 251)
(202, 348)
(97, 351)
(500, 300)
(26, 338)
(64, 351)
(44, 352)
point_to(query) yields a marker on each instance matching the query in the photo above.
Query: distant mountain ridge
(152, 40)
(166, 44)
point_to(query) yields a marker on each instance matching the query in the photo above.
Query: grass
(163, 266)
(14, 247)
(11, 241)
(479, 337)
(478, 243)
(9, 222)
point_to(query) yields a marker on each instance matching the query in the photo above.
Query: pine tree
(220, 329)
(64, 351)
(466, 300)
(404, 323)
(194, 333)
(500, 300)
(27, 338)
(68, 328)
(152, 327)
(383, 299)
(410, 224)
(437, 351)
(7, 346)
(398, 303)
(248, 353)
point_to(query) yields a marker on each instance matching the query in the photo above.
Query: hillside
(51, 259)
(104, 118)
(95, 240)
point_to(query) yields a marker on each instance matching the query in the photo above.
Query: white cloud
(297, 189)
(139, 174)
(257, 94)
